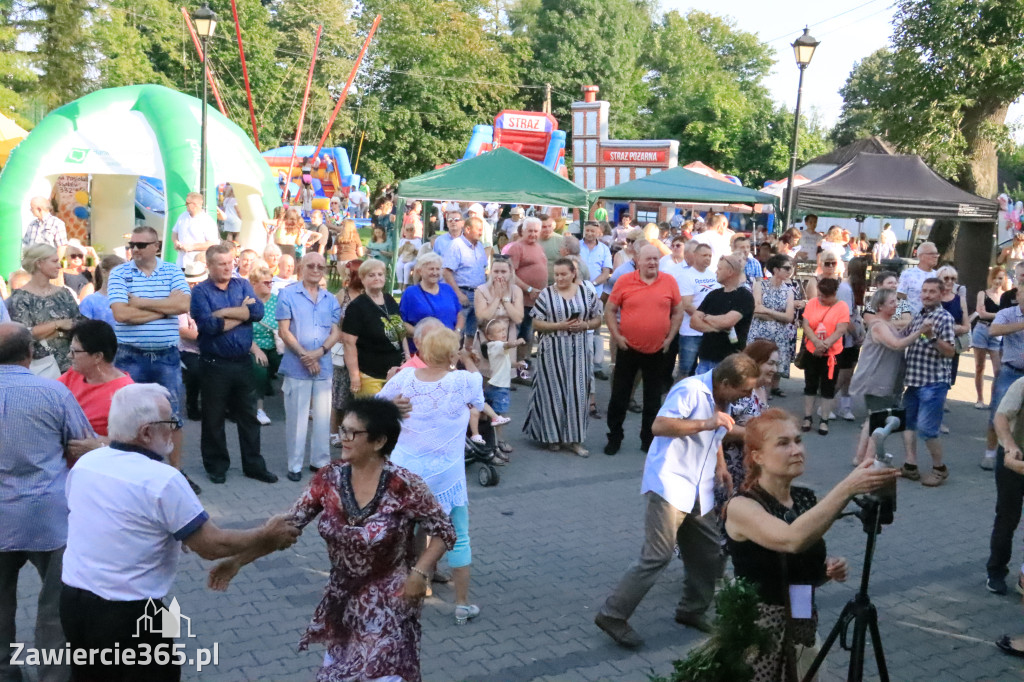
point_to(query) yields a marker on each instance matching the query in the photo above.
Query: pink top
(94, 398)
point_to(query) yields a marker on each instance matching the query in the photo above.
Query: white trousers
(302, 396)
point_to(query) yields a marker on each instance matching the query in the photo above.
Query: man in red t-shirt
(643, 316)
(530, 265)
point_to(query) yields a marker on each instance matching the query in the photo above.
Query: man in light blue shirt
(682, 464)
(40, 417)
(598, 258)
(465, 268)
(307, 318)
(454, 222)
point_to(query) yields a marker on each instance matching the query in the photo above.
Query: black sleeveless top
(763, 567)
(991, 307)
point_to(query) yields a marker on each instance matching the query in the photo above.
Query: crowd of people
(381, 393)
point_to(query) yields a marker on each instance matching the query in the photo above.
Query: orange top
(645, 310)
(829, 317)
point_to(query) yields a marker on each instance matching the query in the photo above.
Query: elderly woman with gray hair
(431, 297)
(49, 311)
(879, 373)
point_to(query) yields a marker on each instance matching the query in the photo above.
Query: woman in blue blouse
(431, 297)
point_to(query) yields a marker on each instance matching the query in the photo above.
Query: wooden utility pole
(547, 98)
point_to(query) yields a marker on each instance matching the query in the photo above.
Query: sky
(849, 30)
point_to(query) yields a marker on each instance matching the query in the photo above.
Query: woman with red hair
(774, 533)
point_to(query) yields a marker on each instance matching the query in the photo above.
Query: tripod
(859, 610)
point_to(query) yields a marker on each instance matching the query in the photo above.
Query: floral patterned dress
(742, 411)
(30, 309)
(369, 629)
(781, 333)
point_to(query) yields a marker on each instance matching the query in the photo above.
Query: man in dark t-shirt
(724, 315)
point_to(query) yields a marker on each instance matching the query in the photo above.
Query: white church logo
(165, 622)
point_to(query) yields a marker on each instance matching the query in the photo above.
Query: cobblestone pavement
(554, 536)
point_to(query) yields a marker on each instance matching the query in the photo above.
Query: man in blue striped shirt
(39, 418)
(146, 296)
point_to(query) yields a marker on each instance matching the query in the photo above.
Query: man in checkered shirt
(46, 228)
(929, 363)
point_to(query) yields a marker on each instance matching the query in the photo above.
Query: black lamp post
(206, 21)
(803, 50)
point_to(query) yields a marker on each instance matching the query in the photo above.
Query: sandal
(578, 450)
(500, 420)
(554, 447)
(1006, 646)
(594, 412)
(823, 427)
(504, 447)
(807, 423)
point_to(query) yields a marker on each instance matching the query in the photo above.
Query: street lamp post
(205, 20)
(803, 50)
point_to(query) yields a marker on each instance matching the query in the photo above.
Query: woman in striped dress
(563, 313)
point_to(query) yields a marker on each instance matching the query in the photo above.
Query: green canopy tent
(501, 176)
(685, 186)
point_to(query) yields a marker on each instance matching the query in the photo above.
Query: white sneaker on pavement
(848, 415)
(262, 418)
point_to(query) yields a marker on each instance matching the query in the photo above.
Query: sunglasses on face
(787, 268)
(829, 262)
(76, 256)
(316, 266)
(140, 245)
(949, 279)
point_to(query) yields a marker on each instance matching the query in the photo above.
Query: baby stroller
(483, 454)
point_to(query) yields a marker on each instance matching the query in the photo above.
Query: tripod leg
(844, 620)
(876, 644)
(860, 626)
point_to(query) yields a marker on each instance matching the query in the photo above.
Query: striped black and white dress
(563, 376)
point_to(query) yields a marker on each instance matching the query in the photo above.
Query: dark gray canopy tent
(894, 186)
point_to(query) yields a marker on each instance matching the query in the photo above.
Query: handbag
(45, 367)
(962, 342)
(800, 362)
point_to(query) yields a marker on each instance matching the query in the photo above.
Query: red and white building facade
(599, 162)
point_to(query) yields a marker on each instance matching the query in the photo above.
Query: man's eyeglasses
(316, 266)
(267, 282)
(138, 246)
(350, 434)
(456, 220)
(173, 424)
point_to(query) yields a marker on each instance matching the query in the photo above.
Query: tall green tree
(64, 52)
(954, 70)
(705, 88)
(432, 74)
(590, 42)
(866, 85)
(16, 74)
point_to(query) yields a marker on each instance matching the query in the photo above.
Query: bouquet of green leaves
(736, 638)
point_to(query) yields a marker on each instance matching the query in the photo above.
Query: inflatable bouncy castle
(331, 173)
(534, 135)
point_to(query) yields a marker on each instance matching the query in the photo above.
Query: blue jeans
(688, 347)
(705, 366)
(1007, 375)
(924, 408)
(154, 367)
(470, 312)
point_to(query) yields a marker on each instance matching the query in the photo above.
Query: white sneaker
(262, 418)
(831, 415)
(848, 415)
(988, 463)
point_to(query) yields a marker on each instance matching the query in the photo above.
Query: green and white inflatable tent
(119, 134)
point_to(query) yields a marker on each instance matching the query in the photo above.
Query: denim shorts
(980, 338)
(924, 408)
(154, 367)
(499, 398)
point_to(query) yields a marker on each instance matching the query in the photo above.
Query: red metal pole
(302, 113)
(348, 84)
(245, 75)
(199, 51)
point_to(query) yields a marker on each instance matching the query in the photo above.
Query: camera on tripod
(876, 509)
(882, 503)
